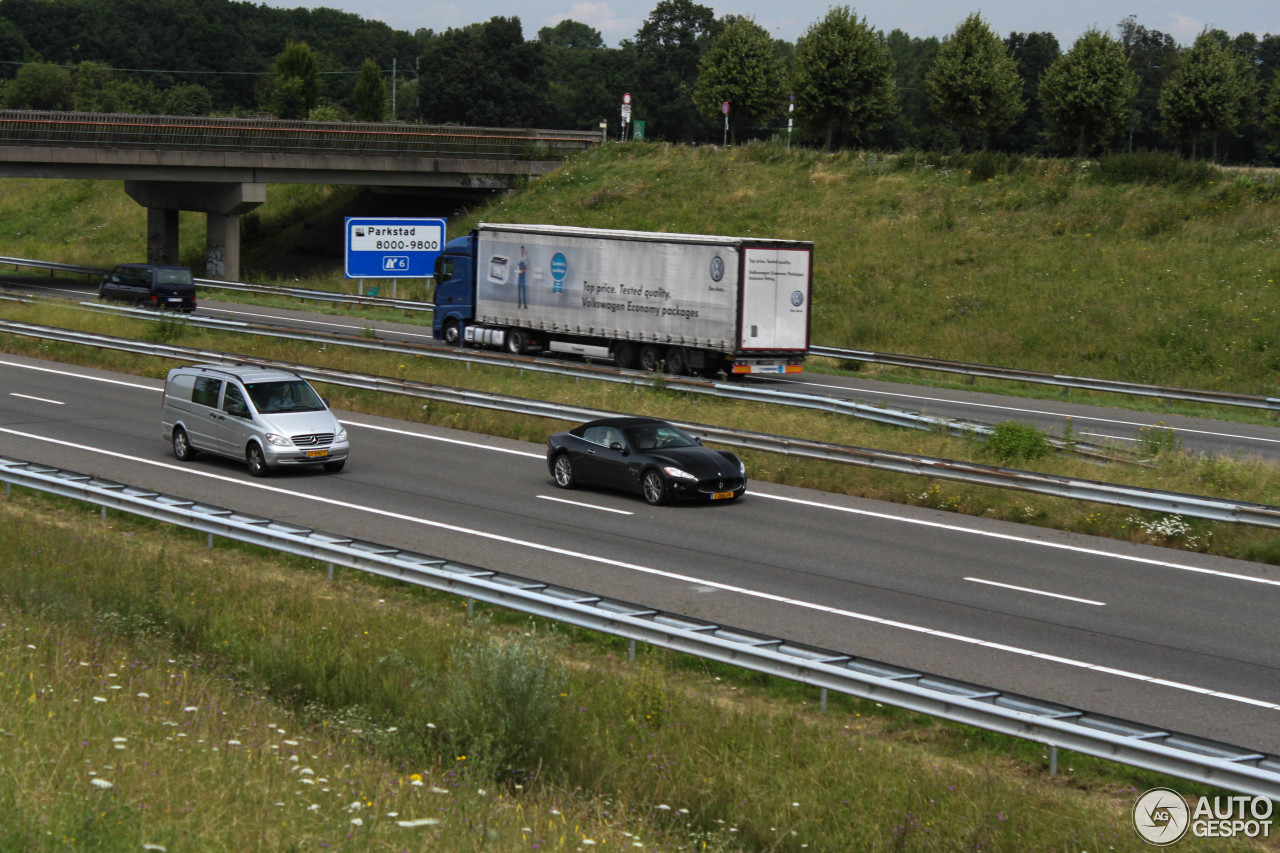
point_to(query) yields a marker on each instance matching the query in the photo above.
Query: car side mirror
(237, 410)
(698, 439)
(617, 445)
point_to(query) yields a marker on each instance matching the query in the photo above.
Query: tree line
(843, 83)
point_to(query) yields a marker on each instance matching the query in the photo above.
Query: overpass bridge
(222, 166)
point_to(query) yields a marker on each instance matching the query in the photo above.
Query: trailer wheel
(516, 341)
(452, 333)
(677, 362)
(650, 358)
(624, 354)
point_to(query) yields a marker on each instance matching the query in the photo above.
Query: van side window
(206, 391)
(234, 397)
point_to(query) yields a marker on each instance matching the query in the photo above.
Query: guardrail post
(631, 651)
(104, 513)
(1053, 761)
(471, 608)
(331, 571)
(823, 702)
(209, 543)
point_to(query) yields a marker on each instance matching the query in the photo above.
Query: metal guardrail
(256, 135)
(1167, 392)
(1173, 503)
(1164, 392)
(1057, 726)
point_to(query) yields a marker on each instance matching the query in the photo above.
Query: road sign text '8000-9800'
(392, 248)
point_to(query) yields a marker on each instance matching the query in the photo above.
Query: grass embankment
(155, 692)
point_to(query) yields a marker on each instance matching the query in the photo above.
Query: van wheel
(334, 467)
(257, 463)
(182, 445)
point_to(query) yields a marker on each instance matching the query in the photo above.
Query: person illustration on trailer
(522, 269)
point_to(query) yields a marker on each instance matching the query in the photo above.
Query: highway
(1165, 637)
(1094, 424)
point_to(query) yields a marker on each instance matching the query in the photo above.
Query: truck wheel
(516, 341)
(624, 355)
(677, 364)
(650, 358)
(452, 333)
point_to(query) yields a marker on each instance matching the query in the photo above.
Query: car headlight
(742, 468)
(278, 440)
(679, 474)
(341, 436)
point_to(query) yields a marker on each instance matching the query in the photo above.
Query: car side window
(604, 436)
(206, 391)
(234, 399)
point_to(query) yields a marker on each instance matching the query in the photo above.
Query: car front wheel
(256, 461)
(655, 490)
(563, 469)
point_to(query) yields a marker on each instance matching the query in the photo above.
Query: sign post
(626, 116)
(724, 108)
(392, 248)
(791, 107)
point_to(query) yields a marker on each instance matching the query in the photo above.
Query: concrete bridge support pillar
(224, 203)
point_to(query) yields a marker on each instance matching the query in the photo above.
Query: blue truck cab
(455, 290)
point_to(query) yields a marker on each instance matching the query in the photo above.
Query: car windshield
(657, 436)
(292, 395)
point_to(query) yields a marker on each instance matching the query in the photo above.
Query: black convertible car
(646, 456)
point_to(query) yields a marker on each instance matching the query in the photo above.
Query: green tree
(296, 88)
(571, 34)
(668, 47)
(484, 74)
(1032, 53)
(1153, 56)
(370, 93)
(973, 83)
(1088, 93)
(40, 86)
(1207, 94)
(188, 99)
(741, 67)
(1271, 116)
(913, 126)
(843, 77)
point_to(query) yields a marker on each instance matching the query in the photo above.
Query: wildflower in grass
(159, 847)
(190, 708)
(101, 783)
(99, 698)
(422, 821)
(355, 821)
(436, 789)
(144, 695)
(417, 783)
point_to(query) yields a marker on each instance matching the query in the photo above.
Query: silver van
(268, 418)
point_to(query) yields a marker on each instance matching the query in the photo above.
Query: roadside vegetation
(159, 694)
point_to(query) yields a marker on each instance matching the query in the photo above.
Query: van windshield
(292, 395)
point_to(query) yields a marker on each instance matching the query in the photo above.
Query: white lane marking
(675, 576)
(1023, 410)
(1009, 537)
(37, 399)
(309, 322)
(1039, 592)
(585, 505)
(79, 375)
(463, 442)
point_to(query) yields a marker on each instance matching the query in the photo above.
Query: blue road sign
(392, 248)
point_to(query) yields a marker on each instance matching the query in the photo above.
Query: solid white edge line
(675, 576)
(1039, 592)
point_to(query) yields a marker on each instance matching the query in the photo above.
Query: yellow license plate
(317, 453)
(720, 496)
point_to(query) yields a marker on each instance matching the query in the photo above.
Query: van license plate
(317, 453)
(721, 496)
(175, 298)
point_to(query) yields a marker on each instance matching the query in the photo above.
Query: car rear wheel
(655, 490)
(563, 470)
(182, 445)
(256, 461)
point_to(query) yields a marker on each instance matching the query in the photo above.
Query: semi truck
(683, 303)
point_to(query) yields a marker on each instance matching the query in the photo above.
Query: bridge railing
(209, 133)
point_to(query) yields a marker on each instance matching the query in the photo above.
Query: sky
(788, 19)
